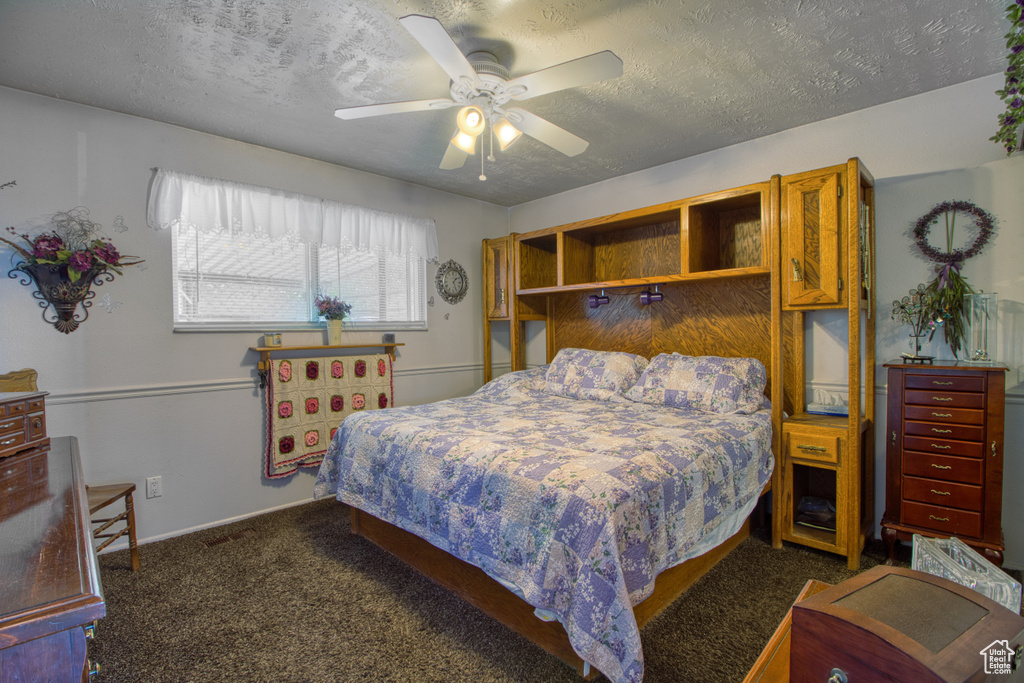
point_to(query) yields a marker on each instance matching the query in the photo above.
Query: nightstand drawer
(812, 445)
(946, 399)
(942, 519)
(926, 444)
(945, 493)
(966, 470)
(945, 431)
(945, 383)
(936, 414)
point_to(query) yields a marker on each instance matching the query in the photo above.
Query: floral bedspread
(575, 504)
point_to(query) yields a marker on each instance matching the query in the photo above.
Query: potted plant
(333, 310)
(64, 262)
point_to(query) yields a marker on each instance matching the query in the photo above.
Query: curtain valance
(213, 205)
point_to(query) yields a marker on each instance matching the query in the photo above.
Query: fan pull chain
(482, 176)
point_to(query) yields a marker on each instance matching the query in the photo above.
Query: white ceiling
(698, 75)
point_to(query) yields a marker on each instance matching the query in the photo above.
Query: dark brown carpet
(294, 596)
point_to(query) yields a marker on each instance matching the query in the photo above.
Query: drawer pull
(7, 442)
(894, 438)
(7, 424)
(942, 384)
(942, 414)
(805, 447)
(938, 519)
(942, 398)
(942, 467)
(942, 431)
(941, 493)
(945, 448)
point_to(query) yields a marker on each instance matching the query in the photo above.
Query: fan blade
(453, 158)
(595, 67)
(546, 132)
(429, 32)
(390, 108)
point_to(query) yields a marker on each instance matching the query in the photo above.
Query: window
(281, 252)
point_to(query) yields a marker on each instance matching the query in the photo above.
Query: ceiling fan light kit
(482, 86)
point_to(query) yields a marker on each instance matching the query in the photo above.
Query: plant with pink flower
(72, 244)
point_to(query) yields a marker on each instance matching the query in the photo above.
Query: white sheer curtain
(212, 205)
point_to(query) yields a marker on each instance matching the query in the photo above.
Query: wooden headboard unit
(729, 317)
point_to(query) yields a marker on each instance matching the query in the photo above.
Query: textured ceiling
(698, 74)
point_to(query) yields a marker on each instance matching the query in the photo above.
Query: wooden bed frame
(720, 304)
(483, 592)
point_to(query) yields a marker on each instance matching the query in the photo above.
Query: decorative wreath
(982, 219)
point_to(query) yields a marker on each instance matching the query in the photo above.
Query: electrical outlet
(154, 487)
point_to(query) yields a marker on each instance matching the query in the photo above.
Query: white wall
(145, 401)
(922, 150)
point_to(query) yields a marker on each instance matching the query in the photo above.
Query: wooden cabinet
(22, 421)
(502, 306)
(814, 249)
(818, 465)
(827, 242)
(49, 586)
(944, 454)
(497, 281)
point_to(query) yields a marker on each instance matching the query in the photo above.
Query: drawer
(816, 446)
(945, 430)
(966, 470)
(14, 470)
(926, 444)
(35, 405)
(10, 443)
(936, 414)
(36, 426)
(946, 399)
(945, 520)
(945, 382)
(945, 493)
(16, 408)
(10, 425)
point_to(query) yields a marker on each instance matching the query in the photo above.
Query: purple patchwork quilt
(576, 505)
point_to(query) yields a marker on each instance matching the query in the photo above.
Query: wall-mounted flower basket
(55, 288)
(64, 263)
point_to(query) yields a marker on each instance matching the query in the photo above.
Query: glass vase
(980, 327)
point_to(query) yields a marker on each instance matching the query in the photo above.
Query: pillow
(593, 375)
(707, 383)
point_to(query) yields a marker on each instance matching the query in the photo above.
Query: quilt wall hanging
(307, 399)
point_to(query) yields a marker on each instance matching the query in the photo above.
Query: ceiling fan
(483, 87)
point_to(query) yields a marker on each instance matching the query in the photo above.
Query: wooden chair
(104, 495)
(99, 496)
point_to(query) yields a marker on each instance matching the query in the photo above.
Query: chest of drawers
(944, 454)
(22, 421)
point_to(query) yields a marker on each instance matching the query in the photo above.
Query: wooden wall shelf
(264, 364)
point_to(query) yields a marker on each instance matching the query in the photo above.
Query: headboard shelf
(724, 234)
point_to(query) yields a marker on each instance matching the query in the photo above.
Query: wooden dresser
(944, 454)
(22, 421)
(49, 581)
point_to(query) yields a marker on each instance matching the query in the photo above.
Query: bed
(573, 485)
